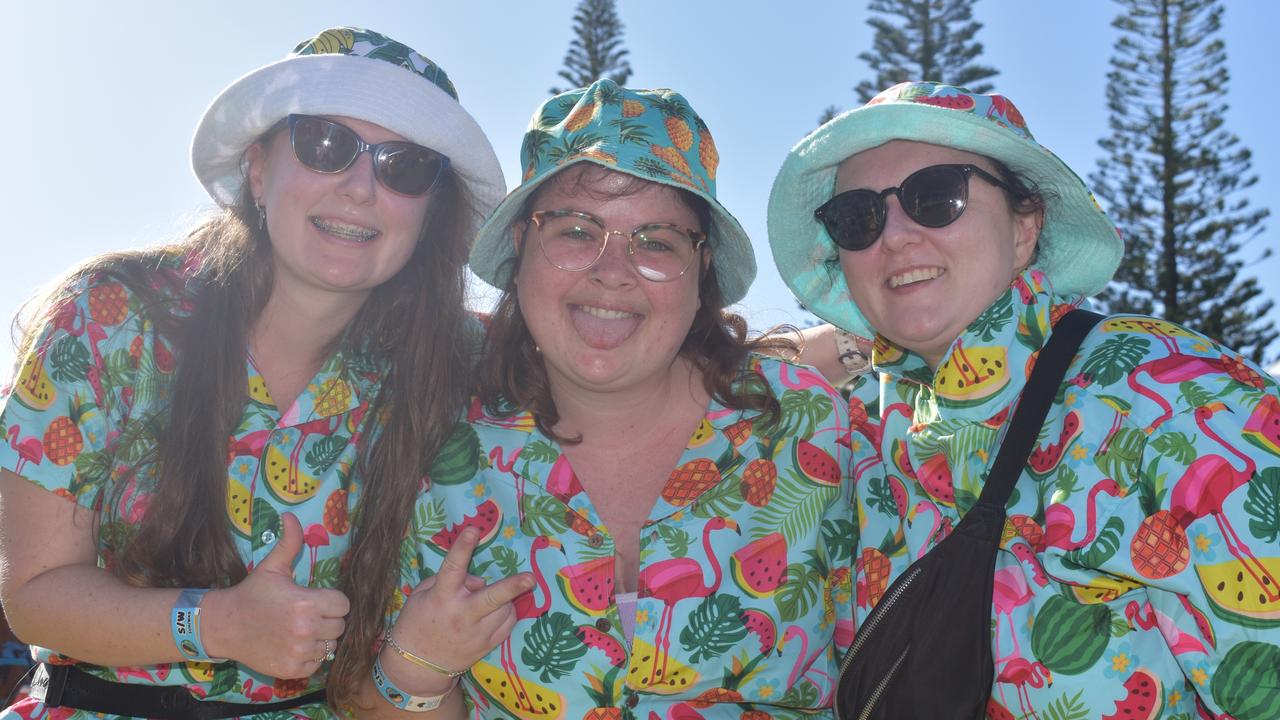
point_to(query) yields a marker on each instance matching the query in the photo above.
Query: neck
(301, 329)
(622, 416)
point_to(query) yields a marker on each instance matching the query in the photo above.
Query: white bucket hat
(354, 73)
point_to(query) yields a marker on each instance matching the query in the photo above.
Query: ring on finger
(328, 652)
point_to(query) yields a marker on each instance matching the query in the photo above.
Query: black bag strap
(1033, 407)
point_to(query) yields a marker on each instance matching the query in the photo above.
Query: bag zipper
(882, 686)
(873, 620)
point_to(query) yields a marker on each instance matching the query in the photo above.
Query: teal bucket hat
(1079, 246)
(350, 72)
(651, 134)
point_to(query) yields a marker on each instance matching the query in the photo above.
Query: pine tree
(1173, 177)
(934, 42)
(827, 114)
(596, 51)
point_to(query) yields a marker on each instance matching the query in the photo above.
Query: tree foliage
(1173, 177)
(932, 40)
(596, 50)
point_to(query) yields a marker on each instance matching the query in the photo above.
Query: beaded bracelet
(403, 700)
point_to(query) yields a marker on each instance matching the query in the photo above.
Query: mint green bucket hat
(1079, 247)
(650, 134)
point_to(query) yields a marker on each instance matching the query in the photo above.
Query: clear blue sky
(101, 98)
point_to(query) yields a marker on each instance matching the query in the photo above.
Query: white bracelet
(853, 359)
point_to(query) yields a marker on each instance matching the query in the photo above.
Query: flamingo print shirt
(744, 597)
(1138, 573)
(98, 377)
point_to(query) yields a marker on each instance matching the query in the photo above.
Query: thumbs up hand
(268, 621)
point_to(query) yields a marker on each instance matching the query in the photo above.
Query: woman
(1138, 574)
(192, 416)
(709, 590)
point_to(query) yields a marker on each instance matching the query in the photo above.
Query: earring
(262, 215)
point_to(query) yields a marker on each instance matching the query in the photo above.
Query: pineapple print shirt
(1138, 573)
(744, 602)
(101, 376)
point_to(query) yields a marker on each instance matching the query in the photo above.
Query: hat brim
(351, 86)
(1079, 247)
(732, 256)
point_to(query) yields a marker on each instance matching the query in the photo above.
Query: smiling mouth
(343, 230)
(601, 328)
(605, 314)
(914, 276)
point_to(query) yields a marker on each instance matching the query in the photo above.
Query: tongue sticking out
(604, 333)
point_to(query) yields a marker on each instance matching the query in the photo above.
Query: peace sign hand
(454, 619)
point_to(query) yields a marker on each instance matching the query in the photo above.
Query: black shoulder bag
(925, 650)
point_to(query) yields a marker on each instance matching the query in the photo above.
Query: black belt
(69, 686)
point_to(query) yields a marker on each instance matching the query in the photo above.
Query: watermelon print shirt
(97, 378)
(1138, 574)
(744, 596)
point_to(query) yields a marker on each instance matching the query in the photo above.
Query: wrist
(187, 624)
(213, 611)
(410, 678)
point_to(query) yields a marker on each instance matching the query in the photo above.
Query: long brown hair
(514, 374)
(412, 328)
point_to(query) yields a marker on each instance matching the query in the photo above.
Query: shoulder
(782, 376)
(1150, 370)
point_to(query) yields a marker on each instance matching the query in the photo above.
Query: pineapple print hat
(652, 134)
(354, 73)
(1079, 247)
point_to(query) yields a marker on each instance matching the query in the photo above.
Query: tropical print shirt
(81, 415)
(744, 598)
(1138, 572)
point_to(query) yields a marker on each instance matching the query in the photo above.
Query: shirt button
(603, 625)
(268, 537)
(596, 540)
(633, 701)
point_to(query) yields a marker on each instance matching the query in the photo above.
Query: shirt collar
(986, 367)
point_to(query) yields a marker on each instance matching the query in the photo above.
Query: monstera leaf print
(68, 360)
(1115, 358)
(1263, 505)
(994, 318)
(714, 627)
(552, 646)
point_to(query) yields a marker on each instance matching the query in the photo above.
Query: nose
(899, 230)
(614, 269)
(357, 181)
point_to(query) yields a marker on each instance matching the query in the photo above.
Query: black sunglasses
(934, 197)
(329, 147)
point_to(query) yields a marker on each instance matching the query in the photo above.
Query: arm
(1216, 614)
(57, 597)
(838, 355)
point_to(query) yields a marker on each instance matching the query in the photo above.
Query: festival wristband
(185, 626)
(403, 700)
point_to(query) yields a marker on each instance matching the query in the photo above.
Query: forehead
(587, 187)
(887, 165)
